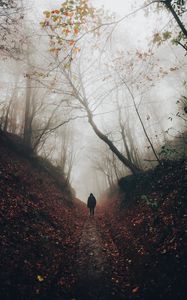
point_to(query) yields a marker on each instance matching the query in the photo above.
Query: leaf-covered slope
(39, 230)
(148, 226)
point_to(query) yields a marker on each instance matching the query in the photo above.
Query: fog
(124, 56)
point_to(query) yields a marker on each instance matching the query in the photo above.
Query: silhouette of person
(91, 204)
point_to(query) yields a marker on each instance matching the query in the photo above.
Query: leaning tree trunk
(175, 15)
(112, 147)
(103, 137)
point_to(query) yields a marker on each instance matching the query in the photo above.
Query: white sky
(138, 29)
(119, 6)
(114, 5)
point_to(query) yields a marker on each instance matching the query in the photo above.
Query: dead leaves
(39, 231)
(150, 241)
(40, 235)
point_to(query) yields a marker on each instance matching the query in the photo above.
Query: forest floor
(52, 250)
(94, 270)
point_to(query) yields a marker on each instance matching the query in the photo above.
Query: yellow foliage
(40, 278)
(47, 13)
(76, 50)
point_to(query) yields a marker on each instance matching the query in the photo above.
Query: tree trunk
(141, 121)
(112, 147)
(103, 137)
(27, 128)
(176, 17)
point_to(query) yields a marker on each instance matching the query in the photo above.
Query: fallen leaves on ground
(151, 263)
(40, 229)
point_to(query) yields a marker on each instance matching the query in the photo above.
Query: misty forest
(93, 145)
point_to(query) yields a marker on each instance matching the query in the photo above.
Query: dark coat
(91, 201)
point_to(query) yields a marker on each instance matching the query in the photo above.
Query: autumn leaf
(56, 11)
(40, 278)
(42, 24)
(47, 14)
(76, 31)
(55, 50)
(76, 50)
(72, 42)
(135, 290)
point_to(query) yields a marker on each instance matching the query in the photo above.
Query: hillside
(40, 228)
(134, 247)
(146, 218)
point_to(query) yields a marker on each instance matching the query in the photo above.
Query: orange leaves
(72, 43)
(76, 49)
(67, 22)
(56, 11)
(76, 31)
(55, 50)
(67, 31)
(69, 14)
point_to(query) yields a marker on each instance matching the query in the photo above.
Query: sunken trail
(134, 248)
(94, 270)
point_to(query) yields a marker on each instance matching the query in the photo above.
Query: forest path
(94, 270)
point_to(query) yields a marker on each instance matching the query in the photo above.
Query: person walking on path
(91, 204)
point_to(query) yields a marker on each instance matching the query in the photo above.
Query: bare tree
(7, 118)
(83, 101)
(11, 34)
(127, 139)
(107, 164)
(67, 154)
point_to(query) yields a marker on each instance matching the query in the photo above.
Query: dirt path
(94, 270)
